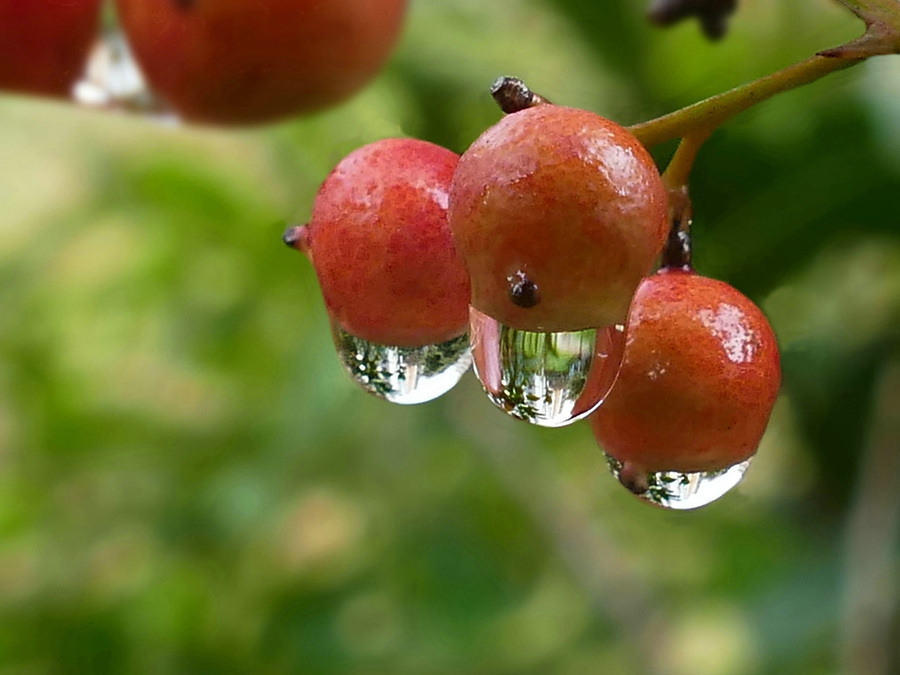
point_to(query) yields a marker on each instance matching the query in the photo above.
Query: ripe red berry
(44, 44)
(558, 214)
(381, 246)
(700, 376)
(251, 61)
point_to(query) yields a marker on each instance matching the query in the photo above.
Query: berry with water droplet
(395, 288)
(572, 198)
(381, 246)
(253, 61)
(44, 44)
(697, 385)
(558, 213)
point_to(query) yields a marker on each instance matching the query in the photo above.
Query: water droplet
(113, 81)
(549, 379)
(403, 375)
(680, 491)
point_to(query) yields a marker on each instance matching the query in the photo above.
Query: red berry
(44, 44)
(698, 382)
(251, 61)
(558, 214)
(381, 246)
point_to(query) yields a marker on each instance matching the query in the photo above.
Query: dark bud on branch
(712, 14)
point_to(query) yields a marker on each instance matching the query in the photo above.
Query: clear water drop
(113, 80)
(679, 491)
(405, 375)
(548, 379)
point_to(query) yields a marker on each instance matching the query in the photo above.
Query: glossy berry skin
(253, 61)
(568, 199)
(44, 44)
(381, 246)
(699, 379)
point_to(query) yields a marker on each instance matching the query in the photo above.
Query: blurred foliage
(190, 485)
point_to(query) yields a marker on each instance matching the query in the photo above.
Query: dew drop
(404, 375)
(548, 379)
(113, 80)
(679, 491)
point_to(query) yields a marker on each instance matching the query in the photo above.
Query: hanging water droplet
(675, 490)
(549, 379)
(403, 375)
(113, 80)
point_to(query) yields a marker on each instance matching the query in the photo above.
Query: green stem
(679, 169)
(701, 119)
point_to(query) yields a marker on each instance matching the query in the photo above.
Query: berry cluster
(532, 255)
(210, 61)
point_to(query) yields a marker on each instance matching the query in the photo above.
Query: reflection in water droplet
(680, 491)
(403, 374)
(113, 81)
(549, 379)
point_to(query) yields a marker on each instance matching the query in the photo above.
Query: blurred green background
(189, 484)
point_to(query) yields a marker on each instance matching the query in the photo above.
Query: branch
(697, 122)
(864, 8)
(701, 119)
(882, 36)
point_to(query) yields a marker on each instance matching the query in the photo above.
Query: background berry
(44, 44)
(251, 61)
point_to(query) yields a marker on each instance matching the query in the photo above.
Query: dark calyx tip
(295, 236)
(184, 5)
(634, 479)
(513, 95)
(523, 292)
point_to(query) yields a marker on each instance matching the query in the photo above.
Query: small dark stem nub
(678, 250)
(523, 292)
(679, 246)
(513, 95)
(291, 236)
(296, 237)
(634, 479)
